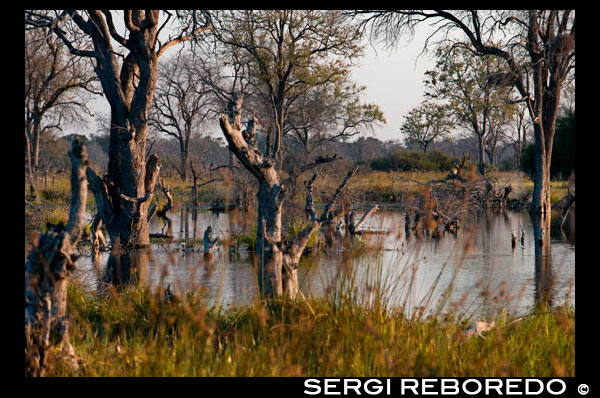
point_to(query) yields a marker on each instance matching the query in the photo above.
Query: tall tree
(537, 46)
(127, 67)
(460, 78)
(287, 53)
(427, 123)
(277, 262)
(55, 91)
(182, 103)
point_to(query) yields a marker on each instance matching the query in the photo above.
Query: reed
(350, 330)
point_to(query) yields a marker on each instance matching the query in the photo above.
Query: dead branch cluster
(445, 202)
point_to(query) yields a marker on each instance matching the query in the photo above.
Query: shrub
(406, 160)
(563, 150)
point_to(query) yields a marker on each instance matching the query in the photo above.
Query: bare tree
(47, 271)
(55, 91)
(287, 52)
(536, 46)
(124, 194)
(182, 103)
(277, 264)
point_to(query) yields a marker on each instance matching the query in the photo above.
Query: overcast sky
(394, 81)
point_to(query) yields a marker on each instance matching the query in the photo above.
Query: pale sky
(394, 81)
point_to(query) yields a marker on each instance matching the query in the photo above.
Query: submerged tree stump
(49, 265)
(353, 226)
(209, 242)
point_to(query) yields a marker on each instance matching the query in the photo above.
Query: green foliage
(133, 332)
(405, 160)
(563, 149)
(427, 123)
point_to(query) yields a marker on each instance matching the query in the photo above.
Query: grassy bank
(368, 186)
(135, 333)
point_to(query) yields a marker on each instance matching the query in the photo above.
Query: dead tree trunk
(270, 196)
(162, 212)
(270, 199)
(96, 235)
(48, 267)
(294, 249)
(209, 242)
(353, 227)
(566, 209)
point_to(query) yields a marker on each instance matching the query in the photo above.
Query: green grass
(134, 333)
(370, 186)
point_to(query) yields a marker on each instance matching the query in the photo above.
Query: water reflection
(476, 270)
(543, 264)
(126, 267)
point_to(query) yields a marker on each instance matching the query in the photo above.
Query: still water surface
(475, 271)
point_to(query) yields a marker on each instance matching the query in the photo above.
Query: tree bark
(48, 267)
(480, 154)
(129, 88)
(269, 248)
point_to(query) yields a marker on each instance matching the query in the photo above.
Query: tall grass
(350, 330)
(372, 322)
(135, 333)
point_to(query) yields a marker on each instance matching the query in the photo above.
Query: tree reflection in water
(543, 277)
(126, 267)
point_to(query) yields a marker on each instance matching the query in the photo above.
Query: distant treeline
(379, 155)
(411, 160)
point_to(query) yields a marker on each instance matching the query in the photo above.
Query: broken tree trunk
(167, 192)
(566, 209)
(209, 242)
(48, 267)
(97, 237)
(242, 143)
(353, 227)
(294, 249)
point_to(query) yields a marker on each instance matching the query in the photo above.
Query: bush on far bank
(411, 160)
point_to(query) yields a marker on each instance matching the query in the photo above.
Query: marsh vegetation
(285, 242)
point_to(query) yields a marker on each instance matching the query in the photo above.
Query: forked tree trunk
(273, 258)
(268, 239)
(47, 270)
(128, 85)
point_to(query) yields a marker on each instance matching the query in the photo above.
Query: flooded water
(475, 271)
